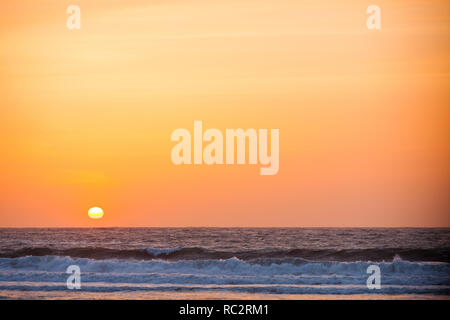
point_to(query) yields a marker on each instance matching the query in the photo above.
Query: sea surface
(225, 263)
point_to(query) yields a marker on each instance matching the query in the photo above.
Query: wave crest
(345, 255)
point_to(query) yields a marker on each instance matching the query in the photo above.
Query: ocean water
(221, 263)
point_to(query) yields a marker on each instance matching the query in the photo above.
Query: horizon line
(234, 227)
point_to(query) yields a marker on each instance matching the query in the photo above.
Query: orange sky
(86, 115)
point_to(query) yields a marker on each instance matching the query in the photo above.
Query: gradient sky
(86, 115)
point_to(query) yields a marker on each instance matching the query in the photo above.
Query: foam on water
(262, 275)
(158, 251)
(274, 261)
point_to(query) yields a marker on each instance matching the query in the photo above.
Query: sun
(95, 213)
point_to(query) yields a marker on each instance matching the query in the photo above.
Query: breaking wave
(344, 255)
(294, 275)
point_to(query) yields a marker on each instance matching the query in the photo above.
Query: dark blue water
(283, 261)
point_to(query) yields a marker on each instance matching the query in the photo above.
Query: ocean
(225, 263)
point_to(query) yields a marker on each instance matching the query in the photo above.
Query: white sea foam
(233, 266)
(296, 276)
(227, 266)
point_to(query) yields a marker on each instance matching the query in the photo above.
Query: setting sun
(95, 213)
